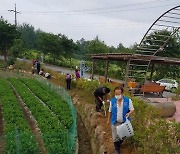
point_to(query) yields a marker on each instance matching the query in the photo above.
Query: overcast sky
(114, 21)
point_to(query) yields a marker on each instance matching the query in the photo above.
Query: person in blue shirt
(120, 108)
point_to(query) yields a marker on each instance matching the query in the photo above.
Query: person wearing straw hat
(120, 108)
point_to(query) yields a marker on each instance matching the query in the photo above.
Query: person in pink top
(77, 74)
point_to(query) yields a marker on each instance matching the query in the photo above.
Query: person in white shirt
(47, 75)
(120, 108)
(41, 72)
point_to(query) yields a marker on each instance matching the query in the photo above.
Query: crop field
(34, 118)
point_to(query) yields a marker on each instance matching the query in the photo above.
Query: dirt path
(2, 140)
(32, 123)
(83, 138)
(84, 141)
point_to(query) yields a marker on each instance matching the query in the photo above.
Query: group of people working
(36, 67)
(120, 109)
(120, 106)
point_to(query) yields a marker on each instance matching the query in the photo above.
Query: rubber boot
(117, 146)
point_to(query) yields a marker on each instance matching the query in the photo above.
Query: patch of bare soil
(83, 137)
(32, 123)
(2, 140)
(126, 148)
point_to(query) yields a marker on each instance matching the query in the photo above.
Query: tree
(50, 43)
(68, 46)
(120, 47)
(172, 49)
(97, 46)
(17, 48)
(8, 34)
(28, 35)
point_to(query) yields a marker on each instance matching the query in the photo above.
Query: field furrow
(32, 123)
(55, 103)
(53, 132)
(18, 136)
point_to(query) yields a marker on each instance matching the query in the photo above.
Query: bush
(11, 60)
(19, 65)
(152, 134)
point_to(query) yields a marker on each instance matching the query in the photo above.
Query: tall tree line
(15, 41)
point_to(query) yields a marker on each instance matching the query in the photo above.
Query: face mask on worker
(118, 96)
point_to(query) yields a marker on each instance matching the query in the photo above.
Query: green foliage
(15, 123)
(17, 48)
(56, 104)
(68, 46)
(8, 33)
(46, 121)
(20, 65)
(29, 35)
(50, 115)
(97, 46)
(50, 43)
(122, 49)
(3, 65)
(87, 86)
(171, 50)
(152, 134)
(11, 60)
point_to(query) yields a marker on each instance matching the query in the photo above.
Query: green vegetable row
(54, 134)
(52, 100)
(18, 136)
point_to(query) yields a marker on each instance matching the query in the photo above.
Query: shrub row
(54, 133)
(18, 135)
(152, 133)
(52, 100)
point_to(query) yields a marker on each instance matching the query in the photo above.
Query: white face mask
(118, 96)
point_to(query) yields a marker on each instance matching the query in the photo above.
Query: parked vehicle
(169, 84)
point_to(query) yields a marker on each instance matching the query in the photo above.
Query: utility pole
(15, 14)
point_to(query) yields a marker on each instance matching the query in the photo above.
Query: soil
(126, 148)
(32, 123)
(101, 121)
(2, 140)
(83, 138)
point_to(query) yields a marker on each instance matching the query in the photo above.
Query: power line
(98, 10)
(114, 11)
(15, 14)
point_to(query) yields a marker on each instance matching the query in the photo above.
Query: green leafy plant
(17, 131)
(47, 121)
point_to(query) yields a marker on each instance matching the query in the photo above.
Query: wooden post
(106, 70)
(92, 73)
(152, 71)
(127, 73)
